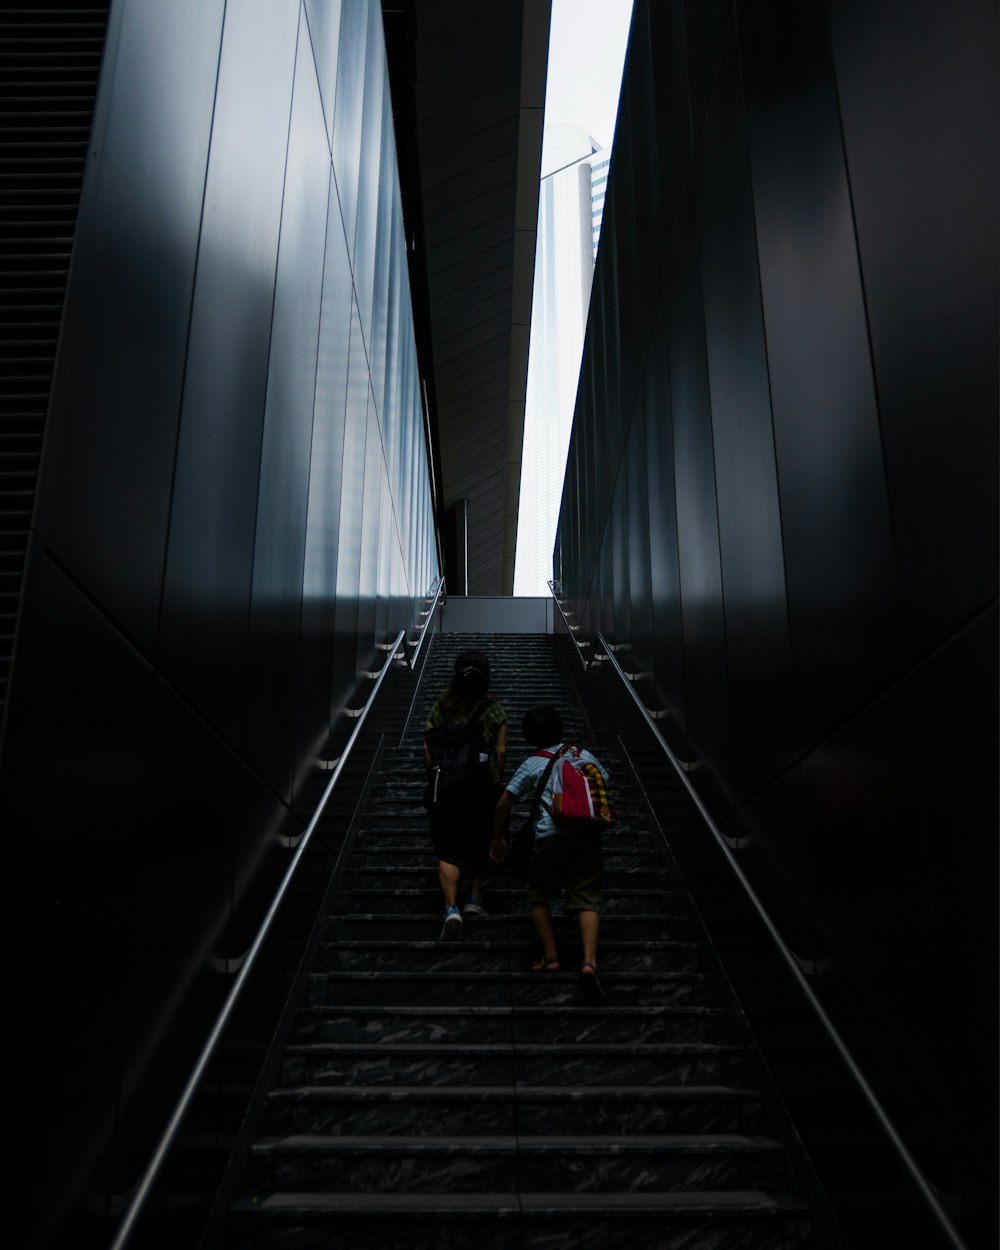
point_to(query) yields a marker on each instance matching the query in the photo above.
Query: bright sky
(586, 48)
(586, 51)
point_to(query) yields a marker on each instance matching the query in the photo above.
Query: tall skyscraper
(571, 207)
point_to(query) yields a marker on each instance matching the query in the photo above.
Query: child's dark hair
(470, 685)
(542, 726)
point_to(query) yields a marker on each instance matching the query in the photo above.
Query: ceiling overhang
(468, 80)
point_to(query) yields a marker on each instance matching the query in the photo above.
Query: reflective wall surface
(780, 507)
(234, 522)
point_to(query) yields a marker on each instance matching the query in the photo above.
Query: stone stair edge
(518, 1092)
(636, 1143)
(712, 1202)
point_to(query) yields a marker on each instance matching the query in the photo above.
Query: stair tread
(398, 917)
(576, 1143)
(503, 1048)
(521, 1092)
(532, 978)
(437, 1204)
(494, 1012)
(512, 944)
(614, 891)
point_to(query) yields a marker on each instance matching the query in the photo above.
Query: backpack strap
(566, 751)
(536, 802)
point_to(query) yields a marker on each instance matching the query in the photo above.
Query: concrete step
(473, 954)
(536, 1221)
(448, 1163)
(550, 1023)
(527, 1109)
(425, 925)
(456, 1063)
(473, 986)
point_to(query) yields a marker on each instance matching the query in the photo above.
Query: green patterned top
(493, 717)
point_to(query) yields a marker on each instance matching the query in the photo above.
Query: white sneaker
(474, 906)
(451, 930)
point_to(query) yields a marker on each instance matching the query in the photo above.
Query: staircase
(441, 1094)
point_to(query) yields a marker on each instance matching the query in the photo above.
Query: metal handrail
(429, 612)
(570, 629)
(905, 1158)
(208, 1050)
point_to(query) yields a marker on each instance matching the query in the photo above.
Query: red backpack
(580, 799)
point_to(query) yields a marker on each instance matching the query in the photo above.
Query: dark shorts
(461, 832)
(568, 861)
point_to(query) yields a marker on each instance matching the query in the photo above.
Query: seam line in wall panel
(770, 394)
(670, 253)
(157, 674)
(263, 413)
(903, 616)
(327, 121)
(711, 434)
(187, 341)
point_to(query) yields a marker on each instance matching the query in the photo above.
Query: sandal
(590, 987)
(545, 964)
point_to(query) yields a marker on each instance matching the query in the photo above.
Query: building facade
(233, 522)
(780, 517)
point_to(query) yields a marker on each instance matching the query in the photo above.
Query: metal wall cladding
(114, 413)
(808, 292)
(922, 156)
(234, 523)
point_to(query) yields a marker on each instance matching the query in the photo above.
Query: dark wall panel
(922, 152)
(703, 625)
(773, 840)
(817, 365)
(621, 630)
(647, 200)
(642, 657)
(206, 595)
(625, 347)
(705, 23)
(956, 714)
(661, 521)
(873, 907)
(283, 491)
(834, 510)
(71, 804)
(762, 710)
(104, 494)
(667, 124)
(178, 905)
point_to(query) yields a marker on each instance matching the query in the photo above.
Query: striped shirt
(525, 781)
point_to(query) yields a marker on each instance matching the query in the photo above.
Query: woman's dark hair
(470, 685)
(542, 726)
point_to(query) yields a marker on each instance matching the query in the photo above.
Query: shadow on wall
(233, 522)
(781, 506)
